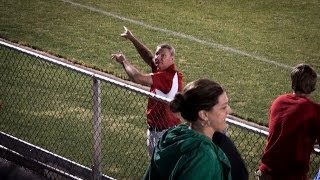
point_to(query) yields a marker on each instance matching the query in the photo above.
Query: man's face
(163, 58)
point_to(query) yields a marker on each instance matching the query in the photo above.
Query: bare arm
(144, 51)
(133, 73)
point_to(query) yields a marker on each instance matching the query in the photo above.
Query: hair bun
(176, 105)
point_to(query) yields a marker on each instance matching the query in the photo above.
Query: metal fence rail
(89, 119)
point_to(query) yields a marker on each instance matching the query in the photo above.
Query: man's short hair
(303, 78)
(169, 47)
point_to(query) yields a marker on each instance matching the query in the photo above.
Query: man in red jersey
(165, 80)
(294, 128)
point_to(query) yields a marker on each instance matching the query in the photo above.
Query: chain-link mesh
(61, 110)
(46, 105)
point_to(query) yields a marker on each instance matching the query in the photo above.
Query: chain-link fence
(84, 116)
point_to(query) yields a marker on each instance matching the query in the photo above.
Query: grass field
(51, 107)
(248, 46)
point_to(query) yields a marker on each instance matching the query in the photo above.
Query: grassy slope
(286, 33)
(283, 32)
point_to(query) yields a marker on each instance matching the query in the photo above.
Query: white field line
(185, 36)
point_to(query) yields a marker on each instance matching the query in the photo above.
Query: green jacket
(182, 153)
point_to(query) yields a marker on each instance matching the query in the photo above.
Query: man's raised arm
(133, 73)
(143, 50)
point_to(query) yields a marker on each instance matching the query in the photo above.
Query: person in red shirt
(294, 128)
(165, 80)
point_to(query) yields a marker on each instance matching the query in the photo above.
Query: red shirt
(166, 83)
(294, 126)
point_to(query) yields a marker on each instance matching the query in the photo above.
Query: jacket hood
(175, 142)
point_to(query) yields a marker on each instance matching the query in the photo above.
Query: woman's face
(219, 112)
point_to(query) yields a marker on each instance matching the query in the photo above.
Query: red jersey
(166, 83)
(294, 126)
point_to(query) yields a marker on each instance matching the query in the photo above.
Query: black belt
(156, 129)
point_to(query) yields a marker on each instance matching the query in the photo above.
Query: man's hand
(119, 57)
(127, 33)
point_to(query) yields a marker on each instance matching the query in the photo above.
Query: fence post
(96, 169)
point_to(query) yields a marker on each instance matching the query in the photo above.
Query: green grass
(58, 103)
(284, 32)
(42, 111)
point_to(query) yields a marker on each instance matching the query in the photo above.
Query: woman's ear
(203, 115)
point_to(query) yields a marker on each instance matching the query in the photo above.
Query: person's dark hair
(303, 78)
(198, 95)
(169, 47)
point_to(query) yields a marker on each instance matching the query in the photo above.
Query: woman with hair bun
(187, 151)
